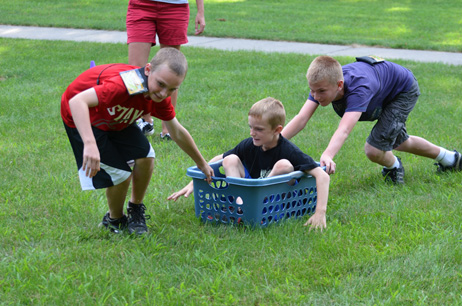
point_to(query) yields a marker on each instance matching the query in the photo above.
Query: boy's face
(325, 92)
(262, 133)
(162, 82)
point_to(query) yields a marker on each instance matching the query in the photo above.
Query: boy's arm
(300, 120)
(344, 129)
(188, 189)
(184, 140)
(318, 219)
(79, 106)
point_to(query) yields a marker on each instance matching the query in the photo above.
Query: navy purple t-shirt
(368, 88)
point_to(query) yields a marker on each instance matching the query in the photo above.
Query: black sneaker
(395, 175)
(165, 136)
(137, 219)
(114, 225)
(456, 166)
(146, 127)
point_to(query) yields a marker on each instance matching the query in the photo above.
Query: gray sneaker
(137, 219)
(456, 166)
(395, 175)
(116, 226)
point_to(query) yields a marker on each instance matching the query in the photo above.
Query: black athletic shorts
(116, 149)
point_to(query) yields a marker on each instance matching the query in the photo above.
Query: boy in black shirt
(267, 153)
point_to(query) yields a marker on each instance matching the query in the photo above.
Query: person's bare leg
(383, 158)
(174, 96)
(141, 177)
(116, 198)
(233, 166)
(138, 55)
(419, 146)
(282, 166)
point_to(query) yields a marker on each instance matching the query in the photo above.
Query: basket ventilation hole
(239, 201)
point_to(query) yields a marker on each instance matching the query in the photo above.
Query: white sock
(446, 158)
(395, 165)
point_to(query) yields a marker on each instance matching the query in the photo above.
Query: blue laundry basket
(255, 202)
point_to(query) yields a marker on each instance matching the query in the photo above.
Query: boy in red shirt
(99, 109)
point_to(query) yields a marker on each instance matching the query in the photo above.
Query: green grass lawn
(384, 245)
(430, 25)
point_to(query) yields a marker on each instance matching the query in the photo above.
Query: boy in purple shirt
(367, 90)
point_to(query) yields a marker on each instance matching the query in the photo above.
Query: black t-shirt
(259, 163)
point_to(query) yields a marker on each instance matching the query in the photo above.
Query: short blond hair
(271, 110)
(324, 68)
(173, 58)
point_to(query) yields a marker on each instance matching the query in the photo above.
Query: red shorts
(147, 18)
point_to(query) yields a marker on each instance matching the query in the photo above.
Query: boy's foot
(456, 166)
(165, 136)
(146, 127)
(137, 219)
(114, 225)
(395, 175)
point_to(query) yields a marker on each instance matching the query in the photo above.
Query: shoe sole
(137, 233)
(112, 229)
(457, 166)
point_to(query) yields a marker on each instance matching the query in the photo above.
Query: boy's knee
(233, 166)
(147, 162)
(373, 154)
(230, 161)
(282, 166)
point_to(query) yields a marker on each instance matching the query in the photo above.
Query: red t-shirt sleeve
(163, 110)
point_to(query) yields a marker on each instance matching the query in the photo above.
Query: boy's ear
(147, 69)
(278, 129)
(340, 84)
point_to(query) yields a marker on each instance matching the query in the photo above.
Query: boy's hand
(186, 191)
(317, 221)
(91, 160)
(208, 171)
(329, 163)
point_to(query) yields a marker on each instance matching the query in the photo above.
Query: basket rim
(195, 173)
